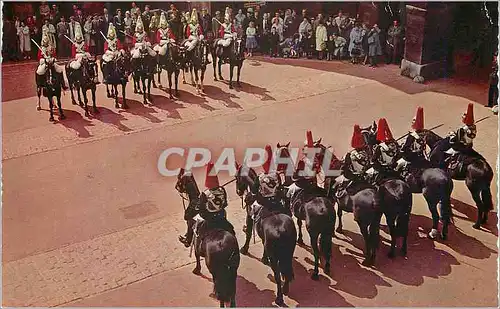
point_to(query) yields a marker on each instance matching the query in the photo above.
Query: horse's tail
(225, 277)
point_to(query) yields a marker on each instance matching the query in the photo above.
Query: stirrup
(184, 240)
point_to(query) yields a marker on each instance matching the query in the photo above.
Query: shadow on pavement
(166, 104)
(261, 92)
(109, 116)
(189, 98)
(217, 93)
(76, 122)
(470, 212)
(139, 109)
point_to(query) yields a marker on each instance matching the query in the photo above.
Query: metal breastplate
(388, 152)
(80, 48)
(418, 145)
(112, 45)
(359, 160)
(216, 199)
(164, 34)
(194, 30)
(227, 29)
(140, 37)
(469, 133)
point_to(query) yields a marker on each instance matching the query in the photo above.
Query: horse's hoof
(443, 236)
(300, 241)
(87, 114)
(265, 261)
(135, 91)
(51, 119)
(96, 111)
(215, 79)
(124, 106)
(279, 302)
(231, 86)
(197, 271)
(74, 102)
(38, 108)
(366, 263)
(220, 77)
(171, 97)
(485, 219)
(80, 103)
(326, 270)
(404, 253)
(315, 276)
(109, 97)
(117, 105)
(184, 82)
(244, 250)
(339, 230)
(476, 226)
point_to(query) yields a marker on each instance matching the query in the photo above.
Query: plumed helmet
(267, 164)
(468, 117)
(111, 31)
(227, 18)
(45, 39)
(163, 21)
(418, 120)
(194, 17)
(309, 139)
(211, 181)
(384, 134)
(269, 185)
(78, 34)
(139, 27)
(357, 140)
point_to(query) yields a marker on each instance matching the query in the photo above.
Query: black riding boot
(187, 239)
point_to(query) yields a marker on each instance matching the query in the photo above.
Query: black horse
(434, 183)
(198, 64)
(171, 63)
(116, 72)
(50, 85)
(312, 205)
(233, 54)
(144, 69)
(476, 172)
(283, 152)
(279, 238)
(83, 80)
(217, 246)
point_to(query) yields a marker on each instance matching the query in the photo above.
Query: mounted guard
(47, 59)
(112, 46)
(210, 210)
(164, 35)
(80, 51)
(462, 139)
(194, 32)
(354, 164)
(385, 154)
(141, 42)
(227, 32)
(414, 149)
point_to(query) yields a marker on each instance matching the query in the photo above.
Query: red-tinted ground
(89, 221)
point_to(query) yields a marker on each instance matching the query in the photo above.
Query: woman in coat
(321, 39)
(374, 47)
(356, 43)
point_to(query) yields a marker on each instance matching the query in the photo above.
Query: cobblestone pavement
(88, 220)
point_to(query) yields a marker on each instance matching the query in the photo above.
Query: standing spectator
(75, 10)
(239, 22)
(51, 33)
(278, 27)
(374, 47)
(36, 35)
(87, 29)
(250, 17)
(321, 39)
(277, 17)
(147, 15)
(339, 44)
(44, 10)
(30, 22)
(93, 34)
(251, 41)
(134, 9)
(56, 16)
(72, 27)
(395, 43)
(356, 43)
(216, 23)
(24, 41)
(62, 30)
(129, 26)
(330, 28)
(274, 41)
(493, 92)
(79, 17)
(365, 30)
(206, 24)
(341, 23)
(305, 35)
(107, 18)
(257, 19)
(119, 24)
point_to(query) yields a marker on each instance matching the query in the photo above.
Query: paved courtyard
(89, 221)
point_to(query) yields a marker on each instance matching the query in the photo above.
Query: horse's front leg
(184, 75)
(197, 80)
(202, 78)
(159, 77)
(314, 245)
(177, 83)
(93, 90)
(115, 91)
(231, 67)
(191, 69)
(392, 231)
(86, 101)
(340, 228)
(38, 93)
(197, 269)
(78, 88)
(150, 81)
(214, 64)
(51, 107)
(145, 94)
(73, 101)
(220, 69)
(240, 65)
(300, 240)
(124, 104)
(107, 90)
(169, 76)
(479, 204)
(248, 235)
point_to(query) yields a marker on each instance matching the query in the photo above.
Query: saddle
(216, 221)
(456, 165)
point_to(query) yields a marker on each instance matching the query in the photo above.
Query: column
(428, 28)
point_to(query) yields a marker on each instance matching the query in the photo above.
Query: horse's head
(283, 152)
(239, 48)
(431, 138)
(186, 184)
(370, 134)
(326, 153)
(246, 178)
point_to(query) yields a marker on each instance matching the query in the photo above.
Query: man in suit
(72, 27)
(62, 30)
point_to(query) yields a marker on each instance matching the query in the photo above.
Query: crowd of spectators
(279, 34)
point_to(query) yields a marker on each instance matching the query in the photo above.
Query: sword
(482, 119)
(213, 18)
(104, 36)
(126, 34)
(69, 39)
(433, 128)
(44, 55)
